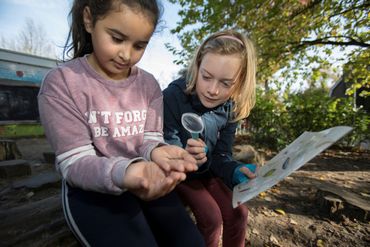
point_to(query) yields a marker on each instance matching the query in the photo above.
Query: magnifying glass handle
(195, 136)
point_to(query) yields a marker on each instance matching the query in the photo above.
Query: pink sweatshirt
(98, 127)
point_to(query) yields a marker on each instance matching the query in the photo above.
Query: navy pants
(99, 219)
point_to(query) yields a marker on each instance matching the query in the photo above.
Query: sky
(52, 16)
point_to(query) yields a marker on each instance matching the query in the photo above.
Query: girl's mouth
(121, 65)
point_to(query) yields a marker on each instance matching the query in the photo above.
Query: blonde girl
(220, 88)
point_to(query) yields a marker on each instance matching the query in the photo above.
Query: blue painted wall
(22, 72)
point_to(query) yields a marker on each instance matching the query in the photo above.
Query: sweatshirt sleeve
(222, 164)
(153, 130)
(70, 137)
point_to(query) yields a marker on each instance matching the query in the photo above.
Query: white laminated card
(291, 158)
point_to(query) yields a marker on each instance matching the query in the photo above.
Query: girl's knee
(240, 215)
(210, 218)
(215, 223)
(214, 220)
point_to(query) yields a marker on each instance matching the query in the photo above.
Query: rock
(364, 145)
(247, 154)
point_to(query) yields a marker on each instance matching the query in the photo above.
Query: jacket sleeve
(78, 161)
(172, 123)
(222, 163)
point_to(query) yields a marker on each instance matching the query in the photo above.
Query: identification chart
(291, 158)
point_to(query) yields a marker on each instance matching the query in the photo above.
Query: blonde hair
(230, 42)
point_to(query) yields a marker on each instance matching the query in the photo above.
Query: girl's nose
(213, 88)
(125, 53)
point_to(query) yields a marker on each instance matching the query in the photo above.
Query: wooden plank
(345, 194)
(9, 150)
(39, 223)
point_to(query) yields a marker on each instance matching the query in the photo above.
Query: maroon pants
(210, 200)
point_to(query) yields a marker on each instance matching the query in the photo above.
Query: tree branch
(324, 41)
(304, 9)
(363, 6)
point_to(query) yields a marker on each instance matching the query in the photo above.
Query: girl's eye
(206, 78)
(116, 39)
(226, 84)
(140, 47)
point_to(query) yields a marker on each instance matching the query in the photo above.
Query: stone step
(14, 168)
(46, 178)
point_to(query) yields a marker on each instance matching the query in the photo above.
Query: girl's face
(216, 78)
(119, 41)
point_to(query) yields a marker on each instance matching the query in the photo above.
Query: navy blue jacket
(218, 134)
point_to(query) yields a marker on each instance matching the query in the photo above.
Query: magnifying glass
(192, 123)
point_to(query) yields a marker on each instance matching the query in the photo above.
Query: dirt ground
(321, 204)
(324, 203)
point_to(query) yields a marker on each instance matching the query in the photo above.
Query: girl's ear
(88, 22)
